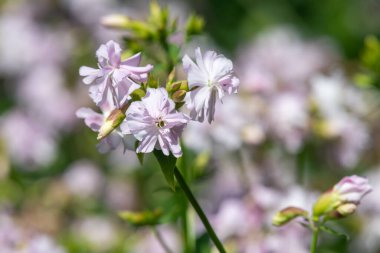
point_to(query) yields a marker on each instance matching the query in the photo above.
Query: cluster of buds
(159, 35)
(340, 201)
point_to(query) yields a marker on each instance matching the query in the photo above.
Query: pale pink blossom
(210, 78)
(155, 123)
(352, 189)
(114, 75)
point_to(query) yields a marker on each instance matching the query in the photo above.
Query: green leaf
(334, 232)
(203, 244)
(167, 164)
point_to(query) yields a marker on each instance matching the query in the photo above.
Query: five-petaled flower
(155, 123)
(210, 78)
(114, 75)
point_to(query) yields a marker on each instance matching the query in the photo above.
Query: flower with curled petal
(155, 123)
(210, 78)
(114, 74)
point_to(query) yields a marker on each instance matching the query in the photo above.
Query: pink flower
(213, 76)
(155, 123)
(114, 75)
(352, 189)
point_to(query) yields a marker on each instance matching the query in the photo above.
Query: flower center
(160, 123)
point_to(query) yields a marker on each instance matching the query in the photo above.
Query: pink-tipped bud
(285, 215)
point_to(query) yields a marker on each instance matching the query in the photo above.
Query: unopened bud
(178, 96)
(346, 209)
(141, 218)
(326, 203)
(171, 76)
(194, 25)
(115, 21)
(285, 215)
(175, 86)
(113, 121)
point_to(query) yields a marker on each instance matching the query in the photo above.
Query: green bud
(142, 218)
(286, 215)
(184, 85)
(115, 21)
(141, 30)
(171, 76)
(113, 121)
(326, 203)
(194, 25)
(138, 94)
(178, 96)
(173, 87)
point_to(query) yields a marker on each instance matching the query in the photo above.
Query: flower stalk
(182, 183)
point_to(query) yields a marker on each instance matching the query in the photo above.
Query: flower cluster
(133, 106)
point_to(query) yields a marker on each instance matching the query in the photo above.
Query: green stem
(189, 239)
(314, 242)
(182, 183)
(188, 219)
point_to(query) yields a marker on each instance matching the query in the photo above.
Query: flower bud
(349, 190)
(194, 25)
(285, 215)
(326, 203)
(178, 96)
(175, 86)
(113, 121)
(142, 218)
(346, 209)
(115, 21)
(352, 189)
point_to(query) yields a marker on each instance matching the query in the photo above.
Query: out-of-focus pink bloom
(42, 244)
(150, 243)
(213, 76)
(29, 143)
(45, 85)
(35, 43)
(352, 189)
(101, 233)
(83, 179)
(155, 123)
(288, 118)
(112, 73)
(341, 107)
(282, 59)
(292, 236)
(234, 218)
(13, 239)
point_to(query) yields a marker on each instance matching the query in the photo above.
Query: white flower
(155, 123)
(210, 78)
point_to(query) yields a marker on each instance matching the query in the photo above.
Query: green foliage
(370, 63)
(167, 164)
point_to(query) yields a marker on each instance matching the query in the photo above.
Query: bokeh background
(300, 123)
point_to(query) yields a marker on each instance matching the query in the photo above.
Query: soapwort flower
(155, 123)
(114, 75)
(210, 78)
